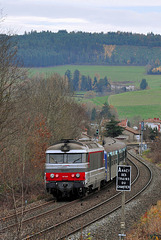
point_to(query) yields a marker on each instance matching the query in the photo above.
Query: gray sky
(137, 16)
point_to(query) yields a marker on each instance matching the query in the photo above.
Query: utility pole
(123, 216)
(142, 129)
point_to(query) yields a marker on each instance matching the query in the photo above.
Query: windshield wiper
(76, 160)
(54, 160)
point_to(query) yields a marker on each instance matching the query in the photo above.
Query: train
(77, 167)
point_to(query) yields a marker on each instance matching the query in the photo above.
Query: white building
(153, 123)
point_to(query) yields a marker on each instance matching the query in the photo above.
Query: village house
(118, 86)
(129, 134)
(152, 123)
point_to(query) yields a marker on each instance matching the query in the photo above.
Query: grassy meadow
(115, 73)
(146, 104)
(99, 101)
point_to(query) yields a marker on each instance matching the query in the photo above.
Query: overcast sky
(137, 16)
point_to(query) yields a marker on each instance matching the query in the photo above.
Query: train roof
(66, 145)
(112, 144)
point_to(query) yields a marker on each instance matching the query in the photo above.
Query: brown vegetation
(149, 226)
(155, 152)
(33, 114)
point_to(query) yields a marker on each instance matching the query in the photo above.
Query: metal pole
(123, 215)
(141, 141)
(142, 129)
(122, 235)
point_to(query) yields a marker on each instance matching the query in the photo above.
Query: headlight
(72, 175)
(52, 175)
(57, 175)
(77, 175)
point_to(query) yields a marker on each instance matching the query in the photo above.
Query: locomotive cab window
(56, 158)
(66, 158)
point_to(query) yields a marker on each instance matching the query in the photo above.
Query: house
(131, 134)
(123, 123)
(118, 86)
(153, 123)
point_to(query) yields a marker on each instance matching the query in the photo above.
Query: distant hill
(50, 49)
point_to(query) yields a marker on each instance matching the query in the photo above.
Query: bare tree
(52, 98)
(11, 158)
(10, 77)
(33, 114)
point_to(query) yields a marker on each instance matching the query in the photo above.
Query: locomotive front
(66, 164)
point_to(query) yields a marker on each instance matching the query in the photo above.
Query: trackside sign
(123, 180)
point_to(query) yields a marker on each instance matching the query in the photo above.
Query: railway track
(12, 223)
(5, 220)
(67, 220)
(32, 214)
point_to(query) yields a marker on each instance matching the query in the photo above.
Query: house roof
(135, 132)
(152, 120)
(123, 123)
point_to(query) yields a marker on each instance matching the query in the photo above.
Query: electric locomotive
(75, 167)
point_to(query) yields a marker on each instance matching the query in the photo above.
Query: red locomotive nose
(77, 176)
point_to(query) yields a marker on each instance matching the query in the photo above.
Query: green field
(144, 97)
(99, 101)
(143, 111)
(146, 104)
(114, 73)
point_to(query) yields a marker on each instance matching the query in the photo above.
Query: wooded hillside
(113, 48)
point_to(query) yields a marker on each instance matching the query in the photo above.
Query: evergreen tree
(106, 111)
(102, 85)
(76, 77)
(153, 132)
(95, 82)
(112, 129)
(84, 83)
(89, 84)
(36, 49)
(68, 74)
(143, 84)
(106, 81)
(93, 114)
